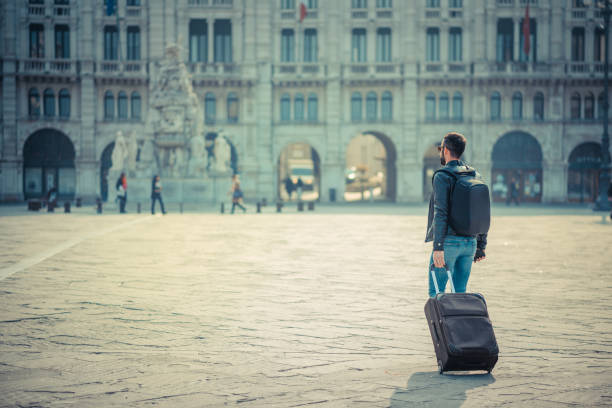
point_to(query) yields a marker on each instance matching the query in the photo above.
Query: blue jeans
(458, 255)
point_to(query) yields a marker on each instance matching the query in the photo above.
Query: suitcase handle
(435, 281)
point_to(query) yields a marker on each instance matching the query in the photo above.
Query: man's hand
(479, 255)
(438, 258)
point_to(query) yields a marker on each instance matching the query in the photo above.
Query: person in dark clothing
(156, 189)
(450, 250)
(289, 187)
(513, 192)
(299, 186)
(121, 187)
(237, 197)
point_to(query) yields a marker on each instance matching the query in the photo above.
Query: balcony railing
(505, 3)
(373, 69)
(384, 13)
(133, 11)
(48, 67)
(432, 13)
(122, 68)
(61, 11)
(288, 15)
(299, 68)
(359, 14)
(204, 68)
(210, 3)
(520, 67)
(36, 10)
(455, 13)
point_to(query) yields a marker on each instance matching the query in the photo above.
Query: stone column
(211, 40)
(516, 25)
(11, 165)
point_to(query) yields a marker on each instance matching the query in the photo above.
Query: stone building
(267, 75)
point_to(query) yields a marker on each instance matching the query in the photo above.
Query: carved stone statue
(120, 154)
(132, 145)
(197, 158)
(222, 155)
(146, 166)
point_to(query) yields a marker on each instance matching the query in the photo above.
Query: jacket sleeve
(441, 187)
(481, 241)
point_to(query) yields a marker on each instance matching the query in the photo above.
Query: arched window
(136, 105)
(356, 108)
(538, 106)
(575, 106)
(371, 106)
(443, 106)
(386, 106)
(210, 108)
(122, 105)
(458, 106)
(49, 102)
(601, 99)
(313, 108)
(64, 103)
(34, 103)
(430, 106)
(285, 105)
(109, 105)
(589, 106)
(495, 106)
(299, 107)
(232, 107)
(517, 106)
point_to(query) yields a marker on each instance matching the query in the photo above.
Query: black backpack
(470, 204)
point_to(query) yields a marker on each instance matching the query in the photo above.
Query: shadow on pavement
(430, 389)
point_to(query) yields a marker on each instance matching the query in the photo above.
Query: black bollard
(138, 209)
(67, 206)
(279, 207)
(300, 206)
(98, 205)
(311, 206)
(222, 208)
(258, 207)
(78, 202)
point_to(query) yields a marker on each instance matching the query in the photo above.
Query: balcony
(211, 3)
(288, 15)
(212, 69)
(61, 11)
(123, 68)
(384, 13)
(372, 70)
(505, 3)
(440, 69)
(586, 68)
(432, 13)
(48, 67)
(359, 14)
(455, 13)
(133, 11)
(520, 67)
(300, 69)
(36, 10)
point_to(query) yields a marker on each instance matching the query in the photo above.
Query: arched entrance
(370, 172)
(431, 163)
(583, 173)
(517, 156)
(106, 163)
(299, 161)
(48, 162)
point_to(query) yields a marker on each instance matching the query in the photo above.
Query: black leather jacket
(438, 226)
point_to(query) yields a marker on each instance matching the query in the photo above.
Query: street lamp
(602, 203)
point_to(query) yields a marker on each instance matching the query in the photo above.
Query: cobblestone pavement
(313, 309)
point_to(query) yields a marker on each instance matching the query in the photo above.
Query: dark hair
(455, 143)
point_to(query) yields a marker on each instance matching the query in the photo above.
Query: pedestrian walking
(454, 246)
(121, 187)
(299, 187)
(156, 189)
(513, 192)
(237, 196)
(289, 187)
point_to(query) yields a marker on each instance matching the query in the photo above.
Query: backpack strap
(451, 173)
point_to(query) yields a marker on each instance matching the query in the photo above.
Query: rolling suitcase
(462, 333)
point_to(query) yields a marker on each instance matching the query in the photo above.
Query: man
(156, 189)
(450, 250)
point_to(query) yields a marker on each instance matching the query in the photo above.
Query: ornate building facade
(272, 73)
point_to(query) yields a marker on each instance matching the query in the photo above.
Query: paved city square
(292, 309)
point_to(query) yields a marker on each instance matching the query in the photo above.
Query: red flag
(303, 12)
(526, 32)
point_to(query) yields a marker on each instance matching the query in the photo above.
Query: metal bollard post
(258, 207)
(67, 206)
(222, 208)
(311, 206)
(300, 206)
(279, 207)
(98, 205)
(138, 209)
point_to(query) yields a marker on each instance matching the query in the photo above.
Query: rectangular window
(599, 46)
(384, 4)
(359, 45)
(313, 4)
(455, 45)
(433, 3)
(62, 41)
(359, 4)
(133, 43)
(433, 45)
(287, 45)
(532, 42)
(111, 42)
(37, 41)
(198, 41)
(223, 40)
(287, 4)
(383, 45)
(578, 44)
(455, 3)
(310, 45)
(505, 40)
(133, 3)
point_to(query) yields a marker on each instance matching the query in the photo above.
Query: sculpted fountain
(173, 144)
